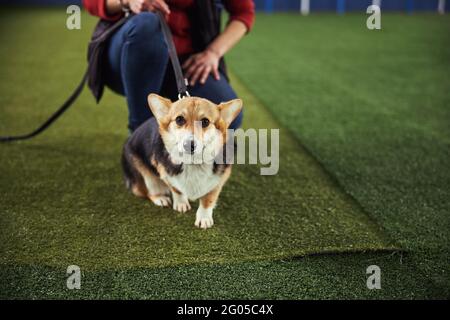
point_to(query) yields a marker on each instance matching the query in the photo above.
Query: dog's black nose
(189, 146)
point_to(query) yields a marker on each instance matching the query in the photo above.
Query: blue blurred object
(340, 6)
(269, 6)
(358, 5)
(410, 6)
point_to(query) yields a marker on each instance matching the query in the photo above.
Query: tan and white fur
(170, 159)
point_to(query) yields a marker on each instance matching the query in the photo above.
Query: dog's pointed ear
(160, 106)
(230, 110)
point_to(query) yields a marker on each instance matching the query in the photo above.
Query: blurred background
(304, 6)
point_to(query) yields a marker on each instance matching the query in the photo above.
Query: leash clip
(183, 95)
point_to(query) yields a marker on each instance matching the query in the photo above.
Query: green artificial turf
(68, 205)
(64, 202)
(340, 276)
(79, 208)
(373, 107)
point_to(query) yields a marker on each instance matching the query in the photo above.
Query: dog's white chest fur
(195, 181)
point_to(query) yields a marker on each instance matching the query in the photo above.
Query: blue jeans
(138, 64)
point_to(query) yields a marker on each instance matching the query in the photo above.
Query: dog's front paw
(204, 218)
(161, 200)
(181, 203)
(204, 223)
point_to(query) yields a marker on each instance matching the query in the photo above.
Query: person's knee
(144, 26)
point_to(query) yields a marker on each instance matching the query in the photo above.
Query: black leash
(180, 80)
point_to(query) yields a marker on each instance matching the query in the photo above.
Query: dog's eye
(180, 120)
(205, 122)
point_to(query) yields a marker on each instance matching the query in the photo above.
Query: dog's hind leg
(133, 179)
(139, 189)
(142, 182)
(158, 191)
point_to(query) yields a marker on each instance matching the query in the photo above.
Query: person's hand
(138, 6)
(200, 65)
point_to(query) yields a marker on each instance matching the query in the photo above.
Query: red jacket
(242, 10)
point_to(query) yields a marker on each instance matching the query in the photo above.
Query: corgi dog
(171, 158)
